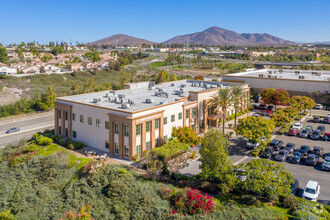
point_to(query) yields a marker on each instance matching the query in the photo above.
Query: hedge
(67, 143)
(260, 148)
(284, 129)
(171, 147)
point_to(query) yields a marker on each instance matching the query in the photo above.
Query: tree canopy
(162, 77)
(47, 100)
(275, 97)
(3, 55)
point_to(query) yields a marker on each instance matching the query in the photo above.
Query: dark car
(319, 151)
(265, 112)
(316, 135)
(275, 144)
(282, 155)
(262, 106)
(267, 152)
(294, 187)
(12, 130)
(305, 133)
(290, 147)
(270, 108)
(312, 159)
(304, 149)
(293, 132)
(321, 128)
(255, 106)
(326, 120)
(296, 157)
(316, 119)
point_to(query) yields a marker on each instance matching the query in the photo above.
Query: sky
(159, 20)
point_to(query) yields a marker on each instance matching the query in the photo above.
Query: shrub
(167, 150)
(290, 202)
(186, 135)
(91, 167)
(31, 148)
(6, 215)
(199, 77)
(189, 202)
(35, 136)
(84, 213)
(193, 156)
(41, 140)
(135, 157)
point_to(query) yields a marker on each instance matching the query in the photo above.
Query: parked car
(304, 149)
(312, 159)
(321, 128)
(296, 157)
(267, 152)
(254, 106)
(305, 133)
(328, 113)
(290, 147)
(293, 132)
(326, 163)
(12, 130)
(265, 112)
(309, 128)
(256, 115)
(270, 107)
(297, 126)
(326, 120)
(326, 136)
(252, 144)
(275, 144)
(262, 106)
(294, 187)
(311, 191)
(318, 106)
(316, 135)
(319, 151)
(316, 119)
(282, 155)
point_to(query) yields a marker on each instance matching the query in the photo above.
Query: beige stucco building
(140, 117)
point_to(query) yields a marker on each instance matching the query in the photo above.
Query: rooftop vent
(149, 101)
(106, 94)
(125, 106)
(302, 77)
(96, 100)
(183, 85)
(132, 102)
(281, 71)
(261, 75)
(173, 84)
(112, 92)
(297, 72)
(162, 102)
(270, 72)
(121, 96)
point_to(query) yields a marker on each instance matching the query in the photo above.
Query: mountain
(121, 40)
(219, 36)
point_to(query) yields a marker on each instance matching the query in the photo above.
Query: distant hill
(121, 40)
(219, 36)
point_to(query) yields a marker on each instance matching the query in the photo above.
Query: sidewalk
(25, 116)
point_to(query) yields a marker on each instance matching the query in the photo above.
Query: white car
(328, 114)
(326, 163)
(311, 191)
(318, 106)
(297, 126)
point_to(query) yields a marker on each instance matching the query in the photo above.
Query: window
(165, 120)
(156, 142)
(116, 128)
(116, 148)
(59, 130)
(172, 118)
(98, 123)
(126, 151)
(59, 113)
(148, 145)
(180, 116)
(107, 144)
(138, 129)
(81, 118)
(138, 149)
(74, 134)
(66, 115)
(126, 130)
(193, 112)
(106, 125)
(66, 132)
(148, 126)
(73, 116)
(156, 123)
(90, 120)
(187, 113)
(165, 138)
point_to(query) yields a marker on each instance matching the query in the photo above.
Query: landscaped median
(259, 149)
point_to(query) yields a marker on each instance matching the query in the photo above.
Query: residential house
(7, 70)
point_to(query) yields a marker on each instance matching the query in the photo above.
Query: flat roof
(311, 75)
(135, 99)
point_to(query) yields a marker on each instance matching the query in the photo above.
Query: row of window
(126, 148)
(138, 147)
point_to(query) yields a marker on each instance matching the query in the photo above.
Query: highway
(28, 126)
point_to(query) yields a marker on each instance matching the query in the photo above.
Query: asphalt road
(28, 126)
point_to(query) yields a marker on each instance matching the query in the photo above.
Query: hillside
(121, 40)
(220, 36)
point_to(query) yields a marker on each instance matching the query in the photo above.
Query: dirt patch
(10, 95)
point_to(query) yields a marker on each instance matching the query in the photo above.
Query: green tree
(185, 135)
(265, 177)
(222, 99)
(303, 102)
(237, 93)
(162, 77)
(214, 157)
(266, 94)
(47, 100)
(125, 77)
(6, 215)
(3, 55)
(255, 128)
(75, 89)
(46, 57)
(275, 97)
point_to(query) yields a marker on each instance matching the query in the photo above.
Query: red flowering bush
(15, 158)
(189, 202)
(199, 77)
(84, 213)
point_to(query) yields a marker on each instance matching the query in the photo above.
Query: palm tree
(222, 99)
(237, 93)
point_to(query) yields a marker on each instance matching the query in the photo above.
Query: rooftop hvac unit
(162, 102)
(302, 77)
(149, 101)
(151, 87)
(183, 85)
(269, 76)
(96, 100)
(132, 102)
(275, 77)
(297, 72)
(112, 92)
(121, 96)
(177, 92)
(122, 101)
(318, 73)
(106, 94)
(270, 72)
(125, 106)
(173, 84)
(281, 71)
(261, 75)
